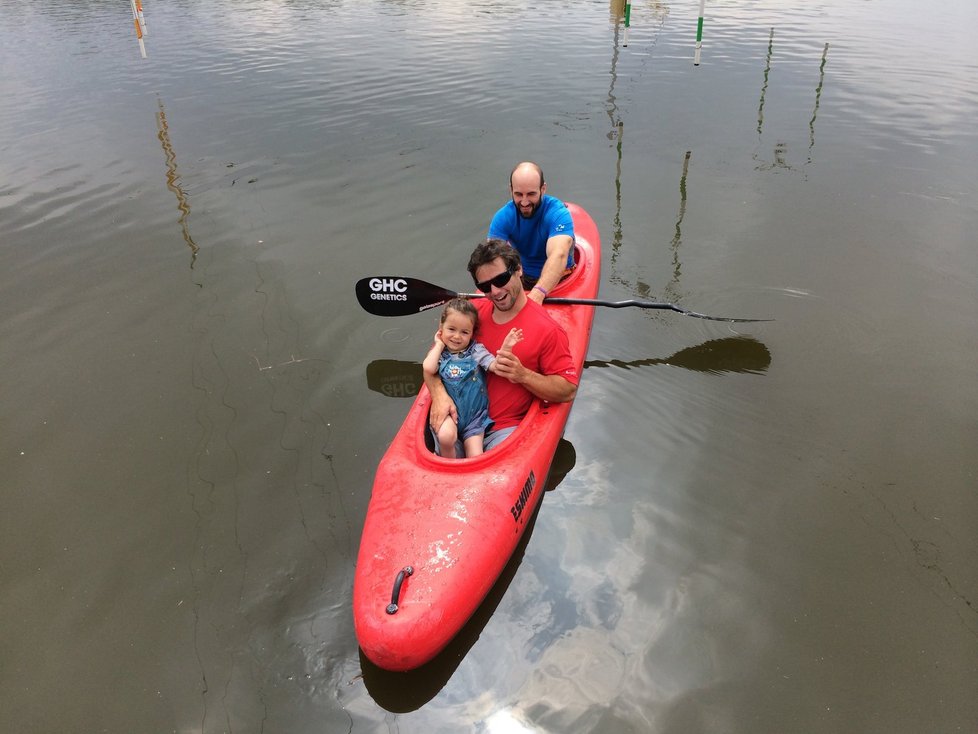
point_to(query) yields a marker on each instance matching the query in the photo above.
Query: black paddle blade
(394, 295)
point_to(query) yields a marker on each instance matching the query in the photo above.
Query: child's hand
(514, 337)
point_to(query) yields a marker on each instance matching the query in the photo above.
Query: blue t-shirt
(530, 236)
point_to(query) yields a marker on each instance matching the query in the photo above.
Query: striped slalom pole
(139, 15)
(699, 34)
(139, 28)
(628, 20)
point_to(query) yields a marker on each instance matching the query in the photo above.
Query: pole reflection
(672, 288)
(173, 181)
(616, 134)
(818, 97)
(617, 131)
(780, 151)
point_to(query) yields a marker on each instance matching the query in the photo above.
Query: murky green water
(767, 528)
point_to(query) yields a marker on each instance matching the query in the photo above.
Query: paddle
(392, 295)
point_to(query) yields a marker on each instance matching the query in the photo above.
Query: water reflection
(767, 75)
(395, 378)
(410, 690)
(671, 288)
(617, 131)
(173, 180)
(780, 148)
(818, 98)
(616, 134)
(733, 354)
(619, 11)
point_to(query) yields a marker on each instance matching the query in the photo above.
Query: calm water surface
(762, 528)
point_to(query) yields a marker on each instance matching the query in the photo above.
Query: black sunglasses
(499, 281)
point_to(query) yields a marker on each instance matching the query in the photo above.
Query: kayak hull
(442, 530)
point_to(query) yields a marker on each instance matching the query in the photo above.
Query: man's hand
(508, 365)
(552, 388)
(442, 406)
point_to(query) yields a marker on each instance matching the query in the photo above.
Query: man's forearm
(435, 386)
(558, 249)
(552, 272)
(552, 388)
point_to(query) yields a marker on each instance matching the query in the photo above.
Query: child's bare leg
(473, 445)
(447, 435)
(512, 339)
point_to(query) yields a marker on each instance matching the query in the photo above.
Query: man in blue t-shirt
(540, 227)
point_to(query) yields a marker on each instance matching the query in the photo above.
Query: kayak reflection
(565, 456)
(396, 378)
(412, 689)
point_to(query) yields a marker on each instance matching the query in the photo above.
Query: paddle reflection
(733, 354)
(396, 378)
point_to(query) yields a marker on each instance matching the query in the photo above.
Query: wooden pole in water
(699, 34)
(628, 20)
(139, 29)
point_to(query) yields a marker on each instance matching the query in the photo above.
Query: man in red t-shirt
(539, 366)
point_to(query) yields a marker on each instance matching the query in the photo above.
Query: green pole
(699, 34)
(628, 20)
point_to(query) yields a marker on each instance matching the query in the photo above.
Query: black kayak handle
(406, 571)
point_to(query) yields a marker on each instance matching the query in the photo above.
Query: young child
(460, 361)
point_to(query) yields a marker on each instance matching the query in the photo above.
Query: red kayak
(439, 532)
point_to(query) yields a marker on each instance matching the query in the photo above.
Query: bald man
(539, 227)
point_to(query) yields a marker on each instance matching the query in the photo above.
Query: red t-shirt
(544, 349)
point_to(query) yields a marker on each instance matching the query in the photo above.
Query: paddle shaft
(402, 296)
(631, 303)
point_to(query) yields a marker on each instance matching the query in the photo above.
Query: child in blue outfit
(459, 361)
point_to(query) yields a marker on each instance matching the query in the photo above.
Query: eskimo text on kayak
(520, 505)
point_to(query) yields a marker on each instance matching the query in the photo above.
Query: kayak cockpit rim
(426, 442)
